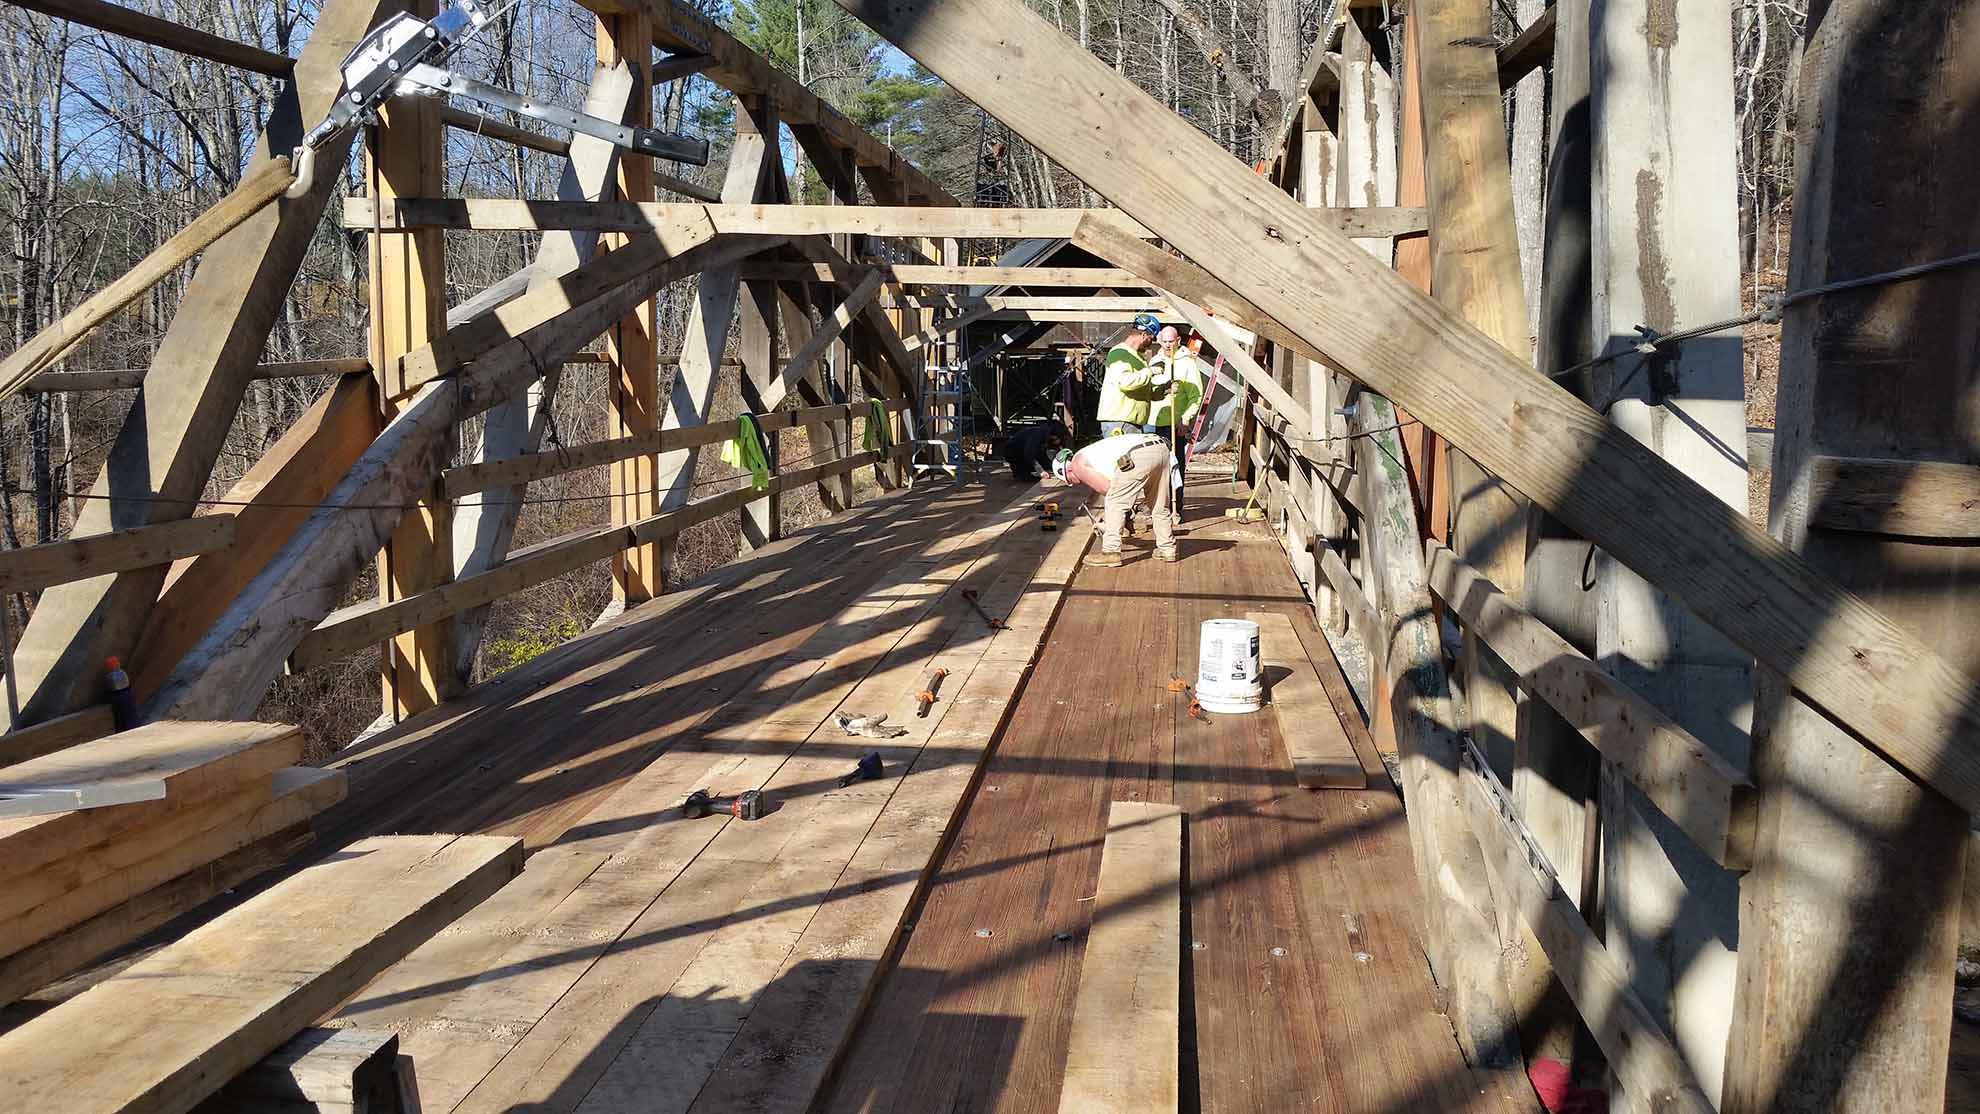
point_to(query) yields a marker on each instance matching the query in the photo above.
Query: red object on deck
(1554, 1084)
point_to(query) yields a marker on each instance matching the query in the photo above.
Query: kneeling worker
(1124, 469)
(1030, 450)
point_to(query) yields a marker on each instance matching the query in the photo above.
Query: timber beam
(914, 274)
(680, 28)
(224, 674)
(166, 449)
(139, 27)
(509, 215)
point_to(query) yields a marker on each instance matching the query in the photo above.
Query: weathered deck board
(973, 1022)
(1123, 1053)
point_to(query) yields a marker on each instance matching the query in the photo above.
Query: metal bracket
(646, 141)
(398, 57)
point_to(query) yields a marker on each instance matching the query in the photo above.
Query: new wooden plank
(190, 761)
(345, 1067)
(1703, 795)
(1316, 740)
(169, 1030)
(1845, 656)
(1124, 1050)
(32, 568)
(44, 962)
(295, 795)
(1347, 710)
(416, 986)
(51, 735)
(123, 837)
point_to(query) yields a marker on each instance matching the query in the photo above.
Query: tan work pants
(1143, 471)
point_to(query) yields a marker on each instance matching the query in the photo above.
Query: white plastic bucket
(1227, 674)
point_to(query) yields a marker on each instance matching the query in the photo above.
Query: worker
(1123, 402)
(1030, 450)
(1176, 383)
(1123, 469)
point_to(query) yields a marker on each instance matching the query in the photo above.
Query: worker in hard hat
(1123, 470)
(1123, 398)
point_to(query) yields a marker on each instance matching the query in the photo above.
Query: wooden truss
(1402, 311)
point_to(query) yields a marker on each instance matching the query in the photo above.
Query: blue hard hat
(1147, 323)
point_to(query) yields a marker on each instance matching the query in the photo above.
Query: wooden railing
(354, 628)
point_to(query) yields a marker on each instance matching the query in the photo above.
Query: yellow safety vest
(1127, 372)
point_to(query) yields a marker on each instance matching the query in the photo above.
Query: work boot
(1104, 559)
(1169, 555)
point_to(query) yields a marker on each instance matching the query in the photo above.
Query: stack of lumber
(209, 805)
(173, 1028)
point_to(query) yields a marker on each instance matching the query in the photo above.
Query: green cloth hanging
(879, 432)
(745, 450)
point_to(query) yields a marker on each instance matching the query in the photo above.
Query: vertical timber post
(1849, 918)
(408, 310)
(1555, 770)
(1319, 162)
(1664, 237)
(632, 347)
(762, 519)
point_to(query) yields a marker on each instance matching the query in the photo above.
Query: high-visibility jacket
(1179, 380)
(1127, 374)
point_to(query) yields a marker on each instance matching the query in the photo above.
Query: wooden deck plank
(740, 746)
(650, 1041)
(417, 985)
(1126, 1024)
(174, 1027)
(36, 967)
(573, 725)
(797, 1031)
(1316, 739)
(969, 1022)
(975, 1021)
